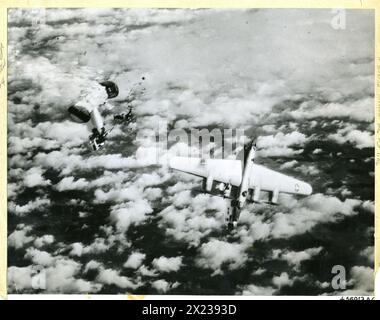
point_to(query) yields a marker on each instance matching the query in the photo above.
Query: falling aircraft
(87, 109)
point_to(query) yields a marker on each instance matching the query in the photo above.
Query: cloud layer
(117, 221)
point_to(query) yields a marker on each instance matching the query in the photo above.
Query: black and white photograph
(207, 152)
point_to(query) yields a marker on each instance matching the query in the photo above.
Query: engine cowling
(256, 194)
(207, 184)
(274, 196)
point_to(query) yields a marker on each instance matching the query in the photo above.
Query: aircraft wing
(221, 170)
(269, 180)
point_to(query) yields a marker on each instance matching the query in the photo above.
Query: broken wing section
(221, 170)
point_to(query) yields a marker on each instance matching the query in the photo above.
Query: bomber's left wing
(265, 179)
(221, 170)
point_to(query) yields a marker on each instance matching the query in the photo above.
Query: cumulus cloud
(289, 164)
(132, 213)
(33, 177)
(59, 276)
(164, 264)
(360, 110)
(253, 290)
(146, 272)
(282, 280)
(68, 183)
(369, 254)
(295, 258)
(305, 214)
(20, 279)
(77, 249)
(369, 206)
(44, 240)
(39, 257)
(62, 278)
(22, 210)
(308, 170)
(360, 139)
(281, 145)
(294, 217)
(92, 265)
(117, 195)
(112, 277)
(19, 145)
(18, 238)
(98, 246)
(161, 285)
(280, 140)
(187, 219)
(216, 253)
(135, 260)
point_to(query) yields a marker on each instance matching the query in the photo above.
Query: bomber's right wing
(221, 170)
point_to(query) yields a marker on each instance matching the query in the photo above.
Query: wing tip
(308, 189)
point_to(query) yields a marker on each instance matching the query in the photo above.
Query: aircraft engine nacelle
(274, 197)
(207, 184)
(256, 194)
(79, 114)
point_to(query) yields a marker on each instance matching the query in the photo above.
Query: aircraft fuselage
(247, 168)
(239, 200)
